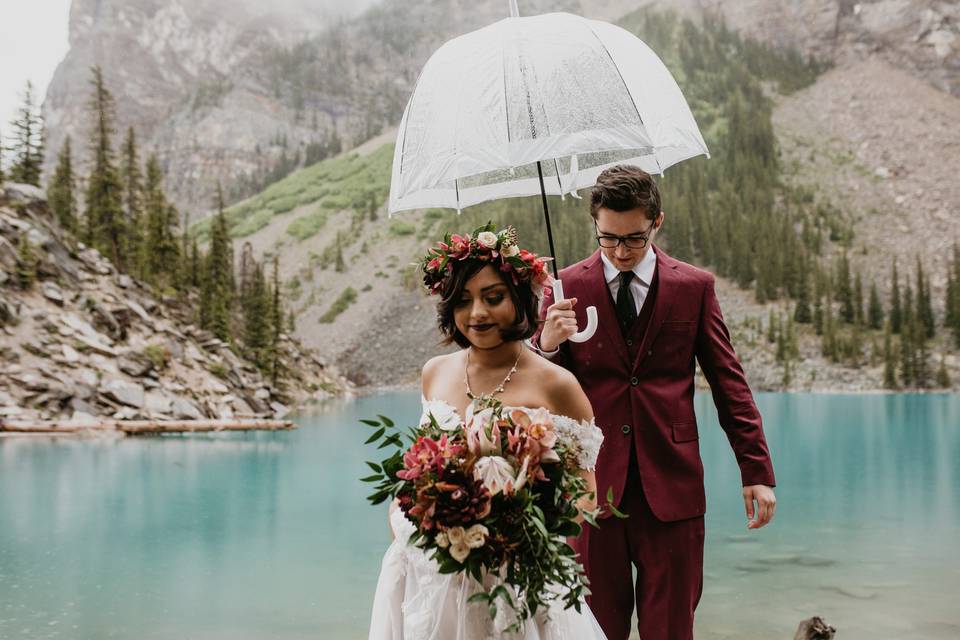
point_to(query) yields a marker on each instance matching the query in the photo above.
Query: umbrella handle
(592, 322)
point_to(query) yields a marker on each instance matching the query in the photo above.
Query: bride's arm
(568, 399)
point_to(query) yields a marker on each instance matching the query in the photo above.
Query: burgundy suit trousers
(668, 558)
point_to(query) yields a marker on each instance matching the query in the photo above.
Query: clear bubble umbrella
(537, 105)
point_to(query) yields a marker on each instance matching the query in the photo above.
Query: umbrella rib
(619, 75)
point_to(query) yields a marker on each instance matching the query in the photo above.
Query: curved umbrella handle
(592, 322)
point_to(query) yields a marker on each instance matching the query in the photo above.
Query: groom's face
(634, 225)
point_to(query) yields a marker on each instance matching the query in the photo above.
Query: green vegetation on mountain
(347, 182)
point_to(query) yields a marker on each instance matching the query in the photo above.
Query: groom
(657, 316)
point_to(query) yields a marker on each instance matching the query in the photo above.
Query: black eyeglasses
(632, 241)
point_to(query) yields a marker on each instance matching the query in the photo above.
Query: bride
(488, 306)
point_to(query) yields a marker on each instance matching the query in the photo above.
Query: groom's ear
(659, 221)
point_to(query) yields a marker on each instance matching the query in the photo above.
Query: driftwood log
(814, 629)
(145, 427)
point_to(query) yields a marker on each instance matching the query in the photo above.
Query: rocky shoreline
(86, 343)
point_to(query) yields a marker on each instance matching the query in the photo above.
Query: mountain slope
(85, 341)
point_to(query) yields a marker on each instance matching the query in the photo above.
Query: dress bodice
(584, 435)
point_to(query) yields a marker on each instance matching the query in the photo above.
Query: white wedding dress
(414, 601)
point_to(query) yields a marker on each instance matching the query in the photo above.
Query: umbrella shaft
(546, 217)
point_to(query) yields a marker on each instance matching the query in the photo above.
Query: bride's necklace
(484, 398)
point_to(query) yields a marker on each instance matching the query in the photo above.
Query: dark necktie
(626, 307)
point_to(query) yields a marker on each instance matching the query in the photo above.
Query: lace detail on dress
(586, 437)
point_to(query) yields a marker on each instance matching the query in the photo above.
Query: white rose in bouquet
(510, 250)
(476, 536)
(459, 551)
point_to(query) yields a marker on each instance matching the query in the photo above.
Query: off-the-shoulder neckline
(424, 401)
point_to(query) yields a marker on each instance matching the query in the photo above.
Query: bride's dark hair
(524, 301)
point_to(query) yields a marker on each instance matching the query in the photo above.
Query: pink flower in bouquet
(534, 434)
(483, 432)
(427, 455)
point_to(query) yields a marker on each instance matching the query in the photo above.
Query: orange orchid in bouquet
(486, 494)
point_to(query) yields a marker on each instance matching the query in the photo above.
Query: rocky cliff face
(85, 342)
(921, 37)
(220, 90)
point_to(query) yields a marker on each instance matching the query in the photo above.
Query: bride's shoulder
(435, 367)
(564, 393)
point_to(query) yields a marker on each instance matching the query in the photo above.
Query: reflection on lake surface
(268, 535)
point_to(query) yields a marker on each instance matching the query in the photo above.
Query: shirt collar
(644, 269)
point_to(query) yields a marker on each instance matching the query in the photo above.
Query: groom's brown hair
(625, 187)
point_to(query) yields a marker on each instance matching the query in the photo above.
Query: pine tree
(953, 295)
(27, 144)
(907, 344)
(889, 361)
(256, 333)
(844, 289)
(875, 308)
(276, 321)
(26, 262)
(105, 224)
(896, 311)
(195, 262)
(771, 328)
(781, 340)
(858, 316)
(924, 303)
(921, 354)
(802, 314)
(63, 201)
(943, 378)
(133, 201)
(216, 296)
(158, 255)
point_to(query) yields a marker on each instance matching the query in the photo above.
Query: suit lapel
(598, 294)
(667, 276)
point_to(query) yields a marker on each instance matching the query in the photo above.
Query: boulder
(134, 365)
(8, 254)
(20, 193)
(52, 293)
(158, 403)
(183, 409)
(130, 394)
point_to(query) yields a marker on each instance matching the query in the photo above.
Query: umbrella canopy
(573, 94)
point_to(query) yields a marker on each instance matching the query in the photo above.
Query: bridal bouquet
(493, 494)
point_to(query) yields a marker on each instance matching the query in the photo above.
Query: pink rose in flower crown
(459, 246)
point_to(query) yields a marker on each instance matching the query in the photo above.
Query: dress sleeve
(583, 436)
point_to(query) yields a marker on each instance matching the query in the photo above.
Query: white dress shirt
(639, 285)
(643, 277)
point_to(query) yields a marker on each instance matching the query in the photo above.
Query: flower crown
(499, 248)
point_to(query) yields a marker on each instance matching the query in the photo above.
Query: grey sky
(33, 40)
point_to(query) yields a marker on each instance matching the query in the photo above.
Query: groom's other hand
(761, 513)
(560, 324)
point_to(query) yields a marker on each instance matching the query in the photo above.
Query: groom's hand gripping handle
(559, 325)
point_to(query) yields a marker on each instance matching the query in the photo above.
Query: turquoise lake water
(268, 535)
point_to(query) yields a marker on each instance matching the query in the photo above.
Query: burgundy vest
(633, 338)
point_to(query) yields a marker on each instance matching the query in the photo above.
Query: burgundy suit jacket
(646, 402)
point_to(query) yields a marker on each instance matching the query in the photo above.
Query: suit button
(650, 352)
(626, 429)
(629, 343)
(634, 381)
